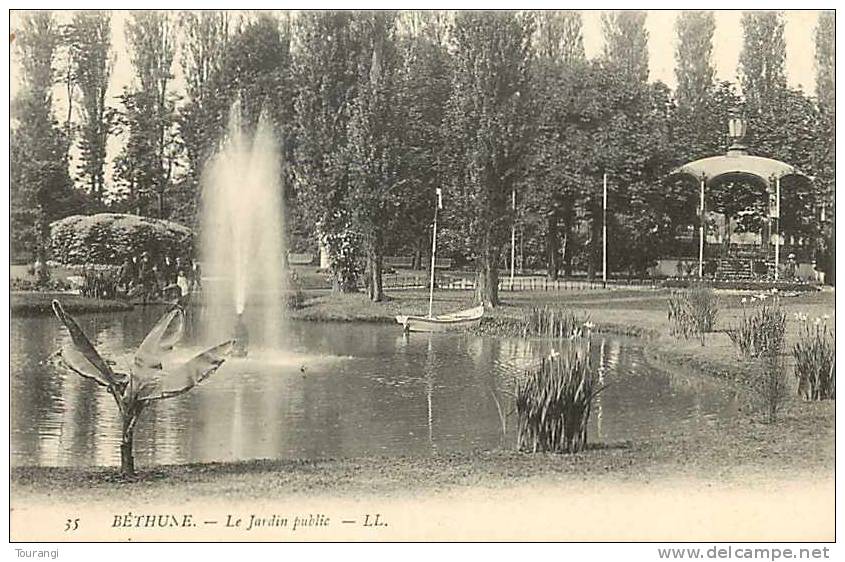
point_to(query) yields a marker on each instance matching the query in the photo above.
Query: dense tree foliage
(375, 111)
(489, 131)
(39, 182)
(89, 42)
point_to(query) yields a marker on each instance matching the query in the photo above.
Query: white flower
(826, 316)
(774, 289)
(744, 300)
(589, 325)
(817, 321)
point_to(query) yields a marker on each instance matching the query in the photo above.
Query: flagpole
(433, 253)
(604, 232)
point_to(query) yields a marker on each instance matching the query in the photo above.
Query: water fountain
(242, 238)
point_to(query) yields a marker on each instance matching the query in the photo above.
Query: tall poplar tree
(89, 43)
(626, 43)
(763, 58)
(491, 128)
(40, 186)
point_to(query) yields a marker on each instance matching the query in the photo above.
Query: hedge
(110, 238)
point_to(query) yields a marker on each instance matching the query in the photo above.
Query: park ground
(792, 459)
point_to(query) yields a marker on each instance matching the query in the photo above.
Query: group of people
(141, 275)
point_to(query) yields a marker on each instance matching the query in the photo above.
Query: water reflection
(342, 390)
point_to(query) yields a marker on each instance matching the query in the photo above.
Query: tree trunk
(567, 259)
(375, 286)
(416, 263)
(552, 247)
(487, 287)
(127, 457)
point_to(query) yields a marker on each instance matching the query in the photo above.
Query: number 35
(72, 524)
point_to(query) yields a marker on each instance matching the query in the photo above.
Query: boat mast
(438, 206)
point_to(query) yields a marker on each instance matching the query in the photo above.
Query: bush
(111, 238)
(692, 311)
(100, 284)
(760, 332)
(815, 361)
(50, 286)
(553, 402)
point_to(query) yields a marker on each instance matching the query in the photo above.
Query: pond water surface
(339, 390)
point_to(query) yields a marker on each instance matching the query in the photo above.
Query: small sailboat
(444, 322)
(458, 320)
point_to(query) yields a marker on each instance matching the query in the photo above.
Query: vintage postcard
(421, 275)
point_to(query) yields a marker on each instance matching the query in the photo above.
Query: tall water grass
(551, 322)
(760, 336)
(692, 312)
(554, 400)
(815, 361)
(772, 385)
(761, 330)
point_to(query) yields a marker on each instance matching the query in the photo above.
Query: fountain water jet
(242, 238)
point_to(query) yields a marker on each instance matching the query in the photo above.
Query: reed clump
(815, 360)
(693, 311)
(760, 332)
(551, 322)
(554, 400)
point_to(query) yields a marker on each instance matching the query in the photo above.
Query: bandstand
(739, 166)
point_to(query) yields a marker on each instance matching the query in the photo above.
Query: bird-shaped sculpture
(152, 375)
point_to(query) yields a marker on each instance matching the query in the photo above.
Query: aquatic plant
(815, 360)
(761, 329)
(147, 379)
(693, 311)
(553, 402)
(551, 322)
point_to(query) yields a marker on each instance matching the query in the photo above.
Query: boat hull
(456, 321)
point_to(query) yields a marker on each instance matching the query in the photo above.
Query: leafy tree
(146, 166)
(490, 131)
(204, 37)
(824, 155)
(560, 37)
(373, 152)
(326, 69)
(89, 43)
(626, 43)
(40, 186)
(763, 57)
(551, 190)
(250, 66)
(693, 58)
(424, 88)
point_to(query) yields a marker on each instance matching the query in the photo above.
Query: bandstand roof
(738, 164)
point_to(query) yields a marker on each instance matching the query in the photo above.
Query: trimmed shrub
(111, 238)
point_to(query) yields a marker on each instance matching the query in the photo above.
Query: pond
(338, 390)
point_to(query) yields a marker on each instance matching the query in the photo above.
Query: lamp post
(604, 232)
(737, 127)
